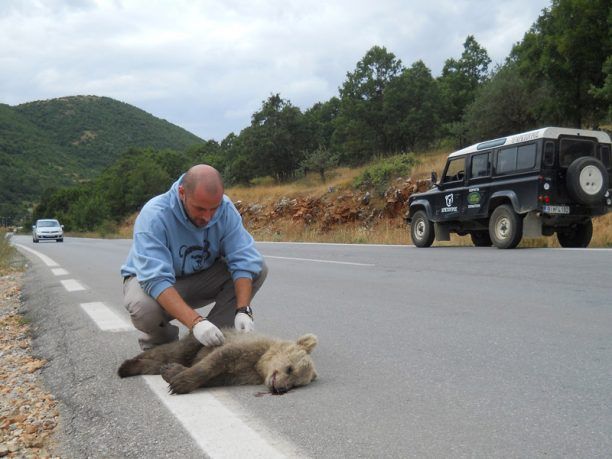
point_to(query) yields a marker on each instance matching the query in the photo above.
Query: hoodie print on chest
(193, 257)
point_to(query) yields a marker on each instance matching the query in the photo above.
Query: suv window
(571, 149)
(455, 170)
(481, 166)
(549, 154)
(526, 157)
(516, 159)
(506, 160)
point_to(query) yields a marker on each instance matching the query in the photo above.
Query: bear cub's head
(287, 365)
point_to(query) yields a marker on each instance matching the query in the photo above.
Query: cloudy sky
(207, 65)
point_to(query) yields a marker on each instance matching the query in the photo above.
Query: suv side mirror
(33, 226)
(434, 178)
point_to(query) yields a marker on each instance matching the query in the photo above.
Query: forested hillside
(60, 142)
(559, 74)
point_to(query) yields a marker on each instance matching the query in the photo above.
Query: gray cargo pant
(214, 284)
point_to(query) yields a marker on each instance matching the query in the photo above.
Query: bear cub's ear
(308, 342)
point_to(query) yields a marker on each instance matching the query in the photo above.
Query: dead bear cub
(244, 358)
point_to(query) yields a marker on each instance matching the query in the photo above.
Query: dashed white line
(45, 259)
(321, 261)
(217, 430)
(72, 285)
(59, 271)
(105, 318)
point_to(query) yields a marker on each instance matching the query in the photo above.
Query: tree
(604, 94)
(564, 52)
(88, 212)
(461, 78)
(144, 182)
(319, 160)
(360, 126)
(275, 141)
(210, 152)
(502, 106)
(319, 123)
(412, 109)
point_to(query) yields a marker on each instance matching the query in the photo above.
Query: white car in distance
(47, 229)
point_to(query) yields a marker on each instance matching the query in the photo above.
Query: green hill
(58, 142)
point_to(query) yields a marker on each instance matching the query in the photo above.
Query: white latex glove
(243, 322)
(208, 334)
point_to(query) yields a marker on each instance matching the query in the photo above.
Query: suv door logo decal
(449, 198)
(473, 199)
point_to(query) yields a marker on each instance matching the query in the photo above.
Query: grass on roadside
(311, 184)
(7, 253)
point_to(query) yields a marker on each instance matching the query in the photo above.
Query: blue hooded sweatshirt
(167, 245)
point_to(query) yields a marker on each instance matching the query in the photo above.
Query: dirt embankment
(334, 208)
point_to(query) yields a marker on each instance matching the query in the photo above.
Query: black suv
(537, 183)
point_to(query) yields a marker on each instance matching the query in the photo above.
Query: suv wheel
(587, 180)
(421, 230)
(576, 236)
(505, 227)
(481, 238)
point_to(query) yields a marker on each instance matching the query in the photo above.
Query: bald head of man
(201, 193)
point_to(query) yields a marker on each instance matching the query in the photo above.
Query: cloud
(207, 65)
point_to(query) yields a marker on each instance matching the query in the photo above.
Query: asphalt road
(439, 352)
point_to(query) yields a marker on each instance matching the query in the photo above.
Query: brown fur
(244, 358)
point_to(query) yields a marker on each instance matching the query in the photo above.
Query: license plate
(556, 209)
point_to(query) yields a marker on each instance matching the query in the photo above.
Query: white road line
(594, 249)
(217, 430)
(46, 260)
(59, 271)
(72, 285)
(321, 261)
(334, 244)
(105, 318)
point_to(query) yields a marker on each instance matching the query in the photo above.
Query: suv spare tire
(587, 180)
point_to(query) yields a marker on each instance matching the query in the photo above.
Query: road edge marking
(45, 259)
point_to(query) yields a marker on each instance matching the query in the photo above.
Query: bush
(380, 174)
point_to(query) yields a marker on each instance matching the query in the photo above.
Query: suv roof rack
(547, 132)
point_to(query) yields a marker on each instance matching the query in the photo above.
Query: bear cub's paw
(170, 370)
(183, 383)
(130, 367)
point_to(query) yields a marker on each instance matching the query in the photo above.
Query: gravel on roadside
(28, 413)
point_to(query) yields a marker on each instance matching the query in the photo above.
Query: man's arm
(204, 331)
(244, 291)
(174, 305)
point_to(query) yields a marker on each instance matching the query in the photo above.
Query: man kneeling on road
(190, 248)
